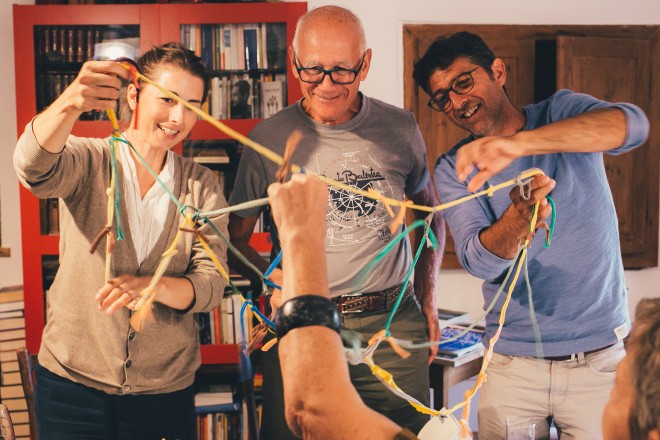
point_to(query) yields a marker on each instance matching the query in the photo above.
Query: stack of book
(460, 349)
(219, 414)
(12, 336)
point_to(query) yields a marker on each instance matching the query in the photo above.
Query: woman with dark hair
(97, 377)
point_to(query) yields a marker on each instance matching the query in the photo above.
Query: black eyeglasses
(462, 84)
(338, 75)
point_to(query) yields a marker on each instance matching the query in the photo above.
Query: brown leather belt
(574, 356)
(371, 301)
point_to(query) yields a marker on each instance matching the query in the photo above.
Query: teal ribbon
(117, 194)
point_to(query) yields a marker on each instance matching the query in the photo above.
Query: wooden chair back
(26, 363)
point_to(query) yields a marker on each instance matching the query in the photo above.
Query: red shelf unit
(158, 23)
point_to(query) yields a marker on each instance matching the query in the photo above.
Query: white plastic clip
(525, 187)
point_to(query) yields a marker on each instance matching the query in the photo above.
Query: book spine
(250, 41)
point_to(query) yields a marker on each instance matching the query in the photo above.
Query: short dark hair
(174, 54)
(444, 51)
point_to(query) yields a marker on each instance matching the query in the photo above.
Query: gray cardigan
(89, 346)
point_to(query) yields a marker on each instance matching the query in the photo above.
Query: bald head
(333, 16)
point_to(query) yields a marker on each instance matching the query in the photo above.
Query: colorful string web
(193, 218)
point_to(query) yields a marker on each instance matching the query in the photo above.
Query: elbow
(295, 418)
(474, 265)
(303, 419)
(310, 412)
(637, 132)
(636, 129)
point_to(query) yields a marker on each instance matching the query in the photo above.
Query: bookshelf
(52, 42)
(12, 336)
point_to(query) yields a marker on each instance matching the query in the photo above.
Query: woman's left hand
(122, 291)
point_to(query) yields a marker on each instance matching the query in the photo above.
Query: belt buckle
(350, 295)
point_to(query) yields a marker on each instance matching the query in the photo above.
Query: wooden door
(620, 70)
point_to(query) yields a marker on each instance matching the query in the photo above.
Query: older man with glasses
(578, 288)
(367, 144)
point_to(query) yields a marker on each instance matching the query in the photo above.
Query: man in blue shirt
(579, 293)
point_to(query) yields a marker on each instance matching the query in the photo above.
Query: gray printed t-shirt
(380, 148)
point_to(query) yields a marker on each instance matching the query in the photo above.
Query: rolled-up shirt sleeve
(466, 221)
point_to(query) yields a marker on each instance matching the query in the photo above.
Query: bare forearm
(594, 131)
(503, 237)
(428, 267)
(240, 230)
(177, 293)
(426, 274)
(251, 255)
(322, 400)
(305, 266)
(53, 126)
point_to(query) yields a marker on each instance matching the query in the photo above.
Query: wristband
(306, 310)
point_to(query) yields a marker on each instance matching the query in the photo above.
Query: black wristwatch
(306, 310)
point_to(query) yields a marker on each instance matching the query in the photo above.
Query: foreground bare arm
(320, 400)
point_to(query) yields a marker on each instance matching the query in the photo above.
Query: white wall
(383, 21)
(11, 269)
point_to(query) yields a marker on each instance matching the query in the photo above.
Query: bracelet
(306, 310)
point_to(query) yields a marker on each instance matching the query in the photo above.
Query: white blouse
(146, 217)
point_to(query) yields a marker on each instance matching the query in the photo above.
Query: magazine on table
(466, 343)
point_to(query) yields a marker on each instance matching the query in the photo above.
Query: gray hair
(644, 347)
(331, 13)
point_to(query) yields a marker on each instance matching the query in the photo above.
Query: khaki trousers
(573, 393)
